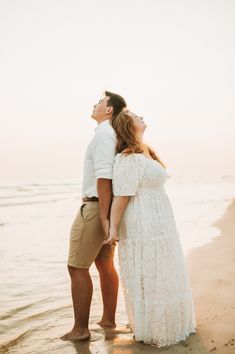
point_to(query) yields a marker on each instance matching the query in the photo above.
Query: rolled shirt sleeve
(103, 154)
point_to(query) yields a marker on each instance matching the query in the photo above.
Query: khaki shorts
(86, 238)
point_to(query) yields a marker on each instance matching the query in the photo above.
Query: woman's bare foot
(106, 324)
(77, 335)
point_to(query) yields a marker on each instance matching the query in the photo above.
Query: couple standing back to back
(156, 287)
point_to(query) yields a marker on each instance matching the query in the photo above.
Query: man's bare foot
(106, 324)
(77, 335)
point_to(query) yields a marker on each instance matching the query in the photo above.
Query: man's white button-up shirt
(99, 158)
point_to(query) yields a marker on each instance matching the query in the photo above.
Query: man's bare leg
(81, 288)
(109, 289)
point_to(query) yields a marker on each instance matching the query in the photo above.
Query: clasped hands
(111, 233)
(112, 239)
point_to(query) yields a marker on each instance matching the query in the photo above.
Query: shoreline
(211, 270)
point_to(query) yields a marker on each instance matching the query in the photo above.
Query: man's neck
(101, 121)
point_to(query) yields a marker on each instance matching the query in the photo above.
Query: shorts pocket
(82, 211)
(90, 212)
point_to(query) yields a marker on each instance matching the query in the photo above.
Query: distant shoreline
(212, 272)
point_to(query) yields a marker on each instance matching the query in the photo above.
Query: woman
(152, 267)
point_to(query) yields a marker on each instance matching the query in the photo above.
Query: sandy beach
(212, 273)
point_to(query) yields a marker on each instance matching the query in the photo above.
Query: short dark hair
(116, 101)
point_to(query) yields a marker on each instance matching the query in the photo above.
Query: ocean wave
(28, 320)
(16, 310)
(40, 185)
(209, 201)
(6, 347)
(35, 202)
(20, 196)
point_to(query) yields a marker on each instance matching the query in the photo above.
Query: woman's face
(139, 123)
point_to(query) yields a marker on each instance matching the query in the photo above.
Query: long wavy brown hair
(127, 139)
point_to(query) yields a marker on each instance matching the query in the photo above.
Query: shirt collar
(102, 124)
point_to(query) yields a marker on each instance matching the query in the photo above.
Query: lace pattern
(153, 272)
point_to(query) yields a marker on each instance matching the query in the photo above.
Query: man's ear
(109, 110)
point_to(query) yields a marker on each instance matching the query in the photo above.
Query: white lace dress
(156, 286)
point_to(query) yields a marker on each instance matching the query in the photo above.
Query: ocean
(35, 220)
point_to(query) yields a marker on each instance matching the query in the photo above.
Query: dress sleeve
(125, 175)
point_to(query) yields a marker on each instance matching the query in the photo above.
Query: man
(91, 225)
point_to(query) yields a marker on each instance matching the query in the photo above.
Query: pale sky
(173, 61)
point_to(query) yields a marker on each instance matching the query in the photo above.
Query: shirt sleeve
(103, 154)
(125, 175)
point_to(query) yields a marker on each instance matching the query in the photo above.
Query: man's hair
(116, 101)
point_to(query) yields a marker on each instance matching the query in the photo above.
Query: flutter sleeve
(126, 175)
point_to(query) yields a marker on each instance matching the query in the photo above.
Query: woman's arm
(118, 207)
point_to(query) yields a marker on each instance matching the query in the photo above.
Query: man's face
(101, 110)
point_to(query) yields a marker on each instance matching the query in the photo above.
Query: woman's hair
(127, 139)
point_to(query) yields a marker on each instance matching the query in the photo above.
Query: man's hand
(112, 240)
(113, 237)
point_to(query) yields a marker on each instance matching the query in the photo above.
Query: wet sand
(212, 274)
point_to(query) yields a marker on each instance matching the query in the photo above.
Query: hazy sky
(173, 61)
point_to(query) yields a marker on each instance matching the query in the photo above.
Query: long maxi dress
(153, 272)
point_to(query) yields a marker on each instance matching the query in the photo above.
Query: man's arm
(119, 205)
(104, 189)
(103, 158)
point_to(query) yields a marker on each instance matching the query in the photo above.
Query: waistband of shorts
(90, 199)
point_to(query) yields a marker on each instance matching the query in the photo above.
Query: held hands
(111, 233)
(112, 237)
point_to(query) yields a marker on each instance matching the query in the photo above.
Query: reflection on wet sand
(121, 341)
